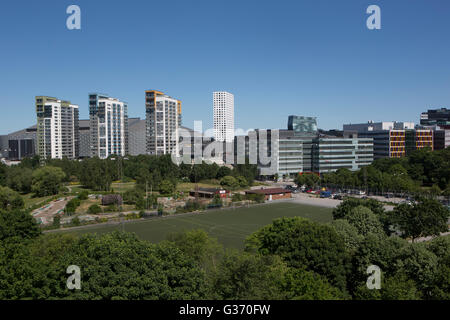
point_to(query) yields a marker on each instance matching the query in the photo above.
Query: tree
(19, 179)
(246, 276)
(299, 284)
(166, 187)
(97, 174)
(114, 266)
(311, 180)
(223, 172)
(349, 233)
(242, 181)
(346, 206)
(9, 199)
(304, 244)
(425, 217)
(419, 264)
(56, 221)
(229, 182)
(47, 181)
(196, 244)
(94, 209)
(374, 250)
(365, 221)
(396, 287)
(17, 224)
(72, 206)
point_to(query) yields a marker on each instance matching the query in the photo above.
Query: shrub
(94, 209)
(72, 206)
(83, 195)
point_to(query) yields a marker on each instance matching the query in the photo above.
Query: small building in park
(210, 193)
(272, 193)
(109, 199)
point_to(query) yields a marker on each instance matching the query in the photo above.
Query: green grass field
(230, 226)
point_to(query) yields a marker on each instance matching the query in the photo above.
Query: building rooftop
(269, 191)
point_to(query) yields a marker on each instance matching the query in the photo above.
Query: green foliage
(237, 197)
(248, 276)
(223, 172)
(47, 181)
(247, 170)
(229, 182)
(310, 180)
(304, 244)
(397, 287)
(56, 221)
(97, 174)
(19, 179)
(83, 195)
(167, 187)
(206, 252)
(10, 200)
(17, 225)
(365, 221)
(257, 197)
(75, 221)
(346, 206)
(299, 284)
(94, 209)
(425, 217)
(133, 196)
(349, 233)
(72, 206)
(113, 266)
(242, 182)
(418, 263)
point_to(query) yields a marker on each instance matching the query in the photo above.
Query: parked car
(325, 194)
(338, 197)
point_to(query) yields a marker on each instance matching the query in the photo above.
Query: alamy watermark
(374, 279)
(374, 20)
(73, 22)
(74, 280)
(256, 147)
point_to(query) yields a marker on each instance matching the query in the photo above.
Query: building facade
(108, 126)
(301, 125)
(392, 139)
(334, 153)
(223, 105)
(57, 134)
(287, 154)
(437, 120)
(163, 120)
(19, 144)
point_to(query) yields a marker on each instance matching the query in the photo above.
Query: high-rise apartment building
(223, 116)
(57, 128)
(109, 126)
(163, 119)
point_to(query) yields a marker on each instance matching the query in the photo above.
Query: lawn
(30, 201)
(230, 226)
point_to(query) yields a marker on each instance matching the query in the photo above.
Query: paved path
(322, 202)
(423, 239)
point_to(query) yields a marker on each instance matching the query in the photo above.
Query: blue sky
(313, 58)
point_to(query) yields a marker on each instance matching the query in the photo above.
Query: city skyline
(390, 74)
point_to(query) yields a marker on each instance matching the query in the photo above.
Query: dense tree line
(422, 168)
(292, 258)
(157, 173)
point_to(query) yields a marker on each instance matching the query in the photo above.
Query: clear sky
(312, 58)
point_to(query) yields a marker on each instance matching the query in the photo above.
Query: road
(304, 198)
